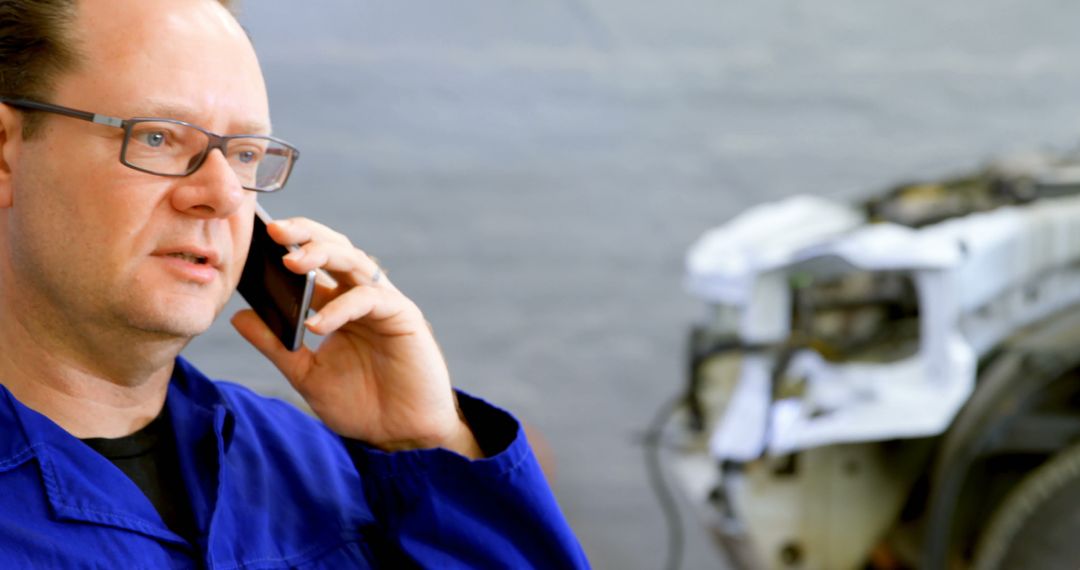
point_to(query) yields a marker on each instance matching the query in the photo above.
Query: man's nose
(212, 191)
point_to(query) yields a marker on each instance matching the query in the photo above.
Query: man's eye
(154, 139)
(247, 156)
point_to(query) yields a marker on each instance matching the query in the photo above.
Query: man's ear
(10, 140)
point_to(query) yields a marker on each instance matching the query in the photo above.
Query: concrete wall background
(533, 172)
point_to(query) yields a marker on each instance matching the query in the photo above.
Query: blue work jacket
(279, 490)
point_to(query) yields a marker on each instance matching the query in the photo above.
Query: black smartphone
(280, 297)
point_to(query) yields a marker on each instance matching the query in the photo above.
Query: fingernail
(296, 255)
(313, 320)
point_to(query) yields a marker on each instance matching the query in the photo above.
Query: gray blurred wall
(532, 172)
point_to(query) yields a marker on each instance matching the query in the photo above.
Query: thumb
(292, 364)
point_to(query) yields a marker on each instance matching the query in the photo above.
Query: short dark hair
(36, 47)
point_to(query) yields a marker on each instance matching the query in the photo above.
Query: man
(120, 240)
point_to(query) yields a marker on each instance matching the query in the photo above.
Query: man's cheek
(235, 270)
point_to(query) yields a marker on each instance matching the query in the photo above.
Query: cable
(670, 508)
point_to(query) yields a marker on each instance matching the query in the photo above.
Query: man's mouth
(197, 265)
(190, 258)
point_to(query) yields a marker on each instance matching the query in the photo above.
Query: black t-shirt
(149, 458)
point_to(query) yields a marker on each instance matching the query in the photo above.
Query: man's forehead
(187, 112)
(181, 59)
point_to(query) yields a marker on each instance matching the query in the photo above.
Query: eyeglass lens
(174, 149)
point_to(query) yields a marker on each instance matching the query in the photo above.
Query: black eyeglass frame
(215, 141)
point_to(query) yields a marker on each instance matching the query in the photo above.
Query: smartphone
(280, 297)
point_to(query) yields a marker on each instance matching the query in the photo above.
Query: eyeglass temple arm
(92, 117)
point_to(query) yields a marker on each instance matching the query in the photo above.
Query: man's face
(92, 241)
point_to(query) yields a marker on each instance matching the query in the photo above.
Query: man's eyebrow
(169, 110)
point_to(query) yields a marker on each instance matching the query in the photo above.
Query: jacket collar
(81, 485)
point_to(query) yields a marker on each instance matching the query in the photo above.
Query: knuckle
(334, 235)
(302, 228)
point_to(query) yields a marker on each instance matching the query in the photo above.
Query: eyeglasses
(168, 147)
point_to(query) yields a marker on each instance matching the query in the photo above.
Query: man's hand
(378, 376)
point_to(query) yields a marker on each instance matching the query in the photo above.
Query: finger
(301, 230)
(323, 294)
(329, 290)
(323, 278)
(293, 365)
(352, 305)
(340, 261)
(358, 303)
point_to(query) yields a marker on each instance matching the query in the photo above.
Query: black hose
(658, 483)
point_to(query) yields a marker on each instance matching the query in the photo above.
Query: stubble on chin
(170, 315)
